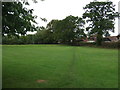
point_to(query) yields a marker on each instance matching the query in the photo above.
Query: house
(105, 39)
(111, 38)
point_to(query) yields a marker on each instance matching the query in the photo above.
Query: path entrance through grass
(59, 67)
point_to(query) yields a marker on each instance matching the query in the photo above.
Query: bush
(104, 44)
(111, 44)
(83, 44)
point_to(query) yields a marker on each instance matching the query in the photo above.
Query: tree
(52, 27)
(44, 36)
(101, 16)
(67, 30)
(107, 34)
(16, 19)
(7, 40)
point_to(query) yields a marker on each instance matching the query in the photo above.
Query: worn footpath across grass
(59, 66)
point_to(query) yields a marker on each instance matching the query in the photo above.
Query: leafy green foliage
(16, 19)
(68, 29)
(101, 16)
(44, 36)
(29, 39)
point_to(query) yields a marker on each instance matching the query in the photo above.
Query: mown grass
(59, 66)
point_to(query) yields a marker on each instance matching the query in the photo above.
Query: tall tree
(101, 16)
(16, 19)
(44, 36)
(68, 29)
(53, 27)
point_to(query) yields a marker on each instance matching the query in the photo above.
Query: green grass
(60, 66)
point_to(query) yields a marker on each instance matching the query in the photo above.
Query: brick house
(105, 39)
(112, 38)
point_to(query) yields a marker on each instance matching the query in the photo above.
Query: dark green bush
(104, 44)
(111, 44)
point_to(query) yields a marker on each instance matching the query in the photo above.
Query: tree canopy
(16, 19)
(68, 29)
(101, 16)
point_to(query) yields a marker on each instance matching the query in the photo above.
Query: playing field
(55, 66)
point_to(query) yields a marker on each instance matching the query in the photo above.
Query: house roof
(112, 38)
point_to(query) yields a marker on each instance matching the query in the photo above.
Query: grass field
(55, 66)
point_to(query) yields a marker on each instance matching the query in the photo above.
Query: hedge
(104, 44)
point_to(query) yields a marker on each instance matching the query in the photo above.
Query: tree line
(18, 20)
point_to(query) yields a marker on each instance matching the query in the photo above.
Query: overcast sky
(59, 9)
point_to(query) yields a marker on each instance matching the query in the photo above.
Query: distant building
(105, 39)
(111, 39)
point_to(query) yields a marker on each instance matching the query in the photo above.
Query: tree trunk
(99, 38)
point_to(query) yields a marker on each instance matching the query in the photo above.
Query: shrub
(111, 44)
(104, 44)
